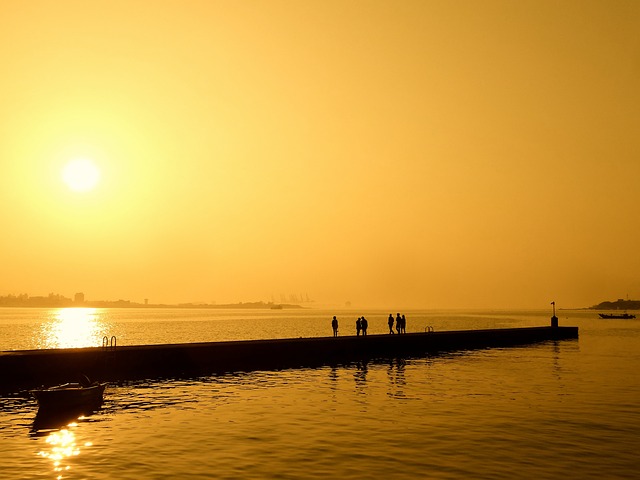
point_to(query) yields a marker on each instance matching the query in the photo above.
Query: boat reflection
(46, 420)
(72, 328)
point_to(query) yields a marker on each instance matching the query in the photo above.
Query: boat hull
(70, 397)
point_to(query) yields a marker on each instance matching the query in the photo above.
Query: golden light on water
(72, 328)
(62, 446)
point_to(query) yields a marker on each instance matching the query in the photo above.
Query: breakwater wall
(26, 369)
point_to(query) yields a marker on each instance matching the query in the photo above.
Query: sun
(81, 175)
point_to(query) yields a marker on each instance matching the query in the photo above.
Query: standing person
(364, 324)
(404, 324)
(358, 326)
(334, 325)
(398, 323)
(390, 322)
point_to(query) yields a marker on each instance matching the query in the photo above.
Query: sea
(551, 410)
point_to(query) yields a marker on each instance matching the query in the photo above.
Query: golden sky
(389, 153)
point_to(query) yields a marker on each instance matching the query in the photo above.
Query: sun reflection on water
(72, 328)
(61, 447)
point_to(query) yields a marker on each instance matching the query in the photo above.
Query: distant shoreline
(619, 304)
(127, 304)
(58, 301)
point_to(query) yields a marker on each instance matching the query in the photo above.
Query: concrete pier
(25, 369)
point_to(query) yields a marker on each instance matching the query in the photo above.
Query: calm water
(557, 409)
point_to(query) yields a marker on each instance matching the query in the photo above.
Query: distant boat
(70, 397)
(625, 315)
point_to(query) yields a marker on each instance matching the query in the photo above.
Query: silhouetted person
(334, 325)
(403, 325)
(358, 326)
(390, 322)
(364, 324)
(398, 323)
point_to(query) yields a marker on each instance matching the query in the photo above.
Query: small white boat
(70, 396)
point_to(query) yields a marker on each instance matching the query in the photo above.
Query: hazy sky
(389, 153)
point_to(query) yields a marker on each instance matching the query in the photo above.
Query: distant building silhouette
(78, 298)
